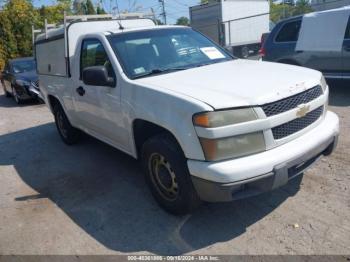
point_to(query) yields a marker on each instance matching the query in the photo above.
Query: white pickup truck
(205, 125)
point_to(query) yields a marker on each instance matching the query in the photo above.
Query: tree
(89, 8)
(100, 10)
(21, 15)
(78, 7)
(16, 20)
(8, 45)
(302, 7)
(159, 22)
(288, 8)
(183, 21)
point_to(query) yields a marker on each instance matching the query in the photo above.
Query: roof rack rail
(67, 19)
(71, 18)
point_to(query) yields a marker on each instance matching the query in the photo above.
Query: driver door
(98, 108)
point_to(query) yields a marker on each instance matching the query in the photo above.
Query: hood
(237, 83)
(30, 76)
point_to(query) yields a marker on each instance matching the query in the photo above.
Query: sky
(174, 8)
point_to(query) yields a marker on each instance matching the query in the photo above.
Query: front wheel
(16, 96)
(167, 175)
(69, 134)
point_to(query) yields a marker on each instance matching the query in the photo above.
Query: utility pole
(163, 12)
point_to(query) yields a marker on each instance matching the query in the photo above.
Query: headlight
(232, 147)
(323, 84)
(229, 147)
(224, 118)
(22, 82)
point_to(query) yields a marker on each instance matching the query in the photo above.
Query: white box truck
(202, 126)
(235, 24)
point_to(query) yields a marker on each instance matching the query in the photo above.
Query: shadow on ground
(102, 190)
(9, 102)
(339, 92)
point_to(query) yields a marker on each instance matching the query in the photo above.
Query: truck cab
(202, 126)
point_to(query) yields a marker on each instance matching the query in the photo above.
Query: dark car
(20, 80)
(280, 44)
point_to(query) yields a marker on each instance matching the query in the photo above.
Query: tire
(16, 97)
(7, 94)
(69, 134)
(167, 175)
(245, 52)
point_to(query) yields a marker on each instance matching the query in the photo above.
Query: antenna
(121, 27)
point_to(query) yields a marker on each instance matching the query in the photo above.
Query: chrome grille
(289, 103)
(35, 83)
(298, 124)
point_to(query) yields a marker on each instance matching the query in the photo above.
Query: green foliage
(89, 8)
(282, 11)
(302, 7)
(183, 21)
(18, 16)
(16, 20)
(159, 22)
(100, 11)
(8, 45)
(83, 7)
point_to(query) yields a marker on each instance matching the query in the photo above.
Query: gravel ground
(91, 199)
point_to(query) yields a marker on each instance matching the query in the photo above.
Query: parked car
(203, 127)
(20, 80)
(281, 45)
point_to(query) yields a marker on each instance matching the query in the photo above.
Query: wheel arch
(143, 130)
(53, 101)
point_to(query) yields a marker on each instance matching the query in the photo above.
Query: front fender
(167, 109)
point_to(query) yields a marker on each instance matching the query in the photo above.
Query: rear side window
(289, 32)
(347, 33)
(94, 54)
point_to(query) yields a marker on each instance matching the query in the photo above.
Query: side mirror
(97, 76)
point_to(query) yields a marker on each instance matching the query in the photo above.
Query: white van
(205, 125)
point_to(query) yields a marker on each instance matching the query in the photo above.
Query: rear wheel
(69, 134)
(245, 52)
(167, 175)
(7, 94)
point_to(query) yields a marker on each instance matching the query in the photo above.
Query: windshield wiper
(159, 71)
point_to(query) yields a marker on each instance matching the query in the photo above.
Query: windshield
(149, 52)
(23, 66)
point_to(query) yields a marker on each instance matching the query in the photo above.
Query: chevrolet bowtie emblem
(303, 110)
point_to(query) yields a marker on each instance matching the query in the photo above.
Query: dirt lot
(91, 199)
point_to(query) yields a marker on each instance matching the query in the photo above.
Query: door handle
(80, 90)
(299, 51)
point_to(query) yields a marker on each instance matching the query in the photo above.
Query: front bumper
(247, 176)
(28, 92)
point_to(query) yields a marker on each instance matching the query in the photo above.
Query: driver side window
(94, 54)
